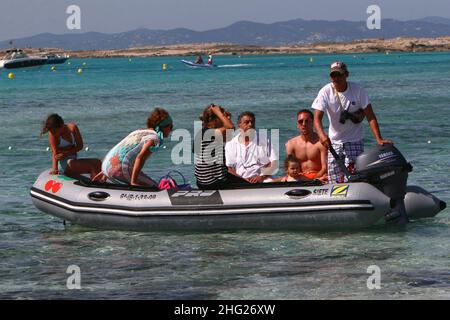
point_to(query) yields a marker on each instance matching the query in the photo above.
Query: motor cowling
(385, 168)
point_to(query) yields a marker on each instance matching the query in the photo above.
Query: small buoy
(87, 148)
(68, 63)
(129, 60)
(311, 59)
(84, 63)
(80, 70)
(48, 149)
(9, 148)
(11, 75)
(164, 66)
(53, 68)
(429, 141)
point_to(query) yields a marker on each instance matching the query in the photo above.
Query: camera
(356, 117)
(344, 116)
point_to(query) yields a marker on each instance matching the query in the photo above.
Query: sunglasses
(302, 121)
(336, 75)
(170, 126)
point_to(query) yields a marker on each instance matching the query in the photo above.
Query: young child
(292, 170)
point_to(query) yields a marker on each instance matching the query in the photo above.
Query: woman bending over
(123, 164)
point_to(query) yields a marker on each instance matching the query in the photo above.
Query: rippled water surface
(111, 97)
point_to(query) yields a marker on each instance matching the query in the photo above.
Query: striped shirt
(209, 157)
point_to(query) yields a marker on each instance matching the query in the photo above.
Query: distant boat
(56, 58)
(198, 65)
(16, 58)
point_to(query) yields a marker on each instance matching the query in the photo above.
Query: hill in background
(292, 32)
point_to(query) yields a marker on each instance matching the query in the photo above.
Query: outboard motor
(385, 168)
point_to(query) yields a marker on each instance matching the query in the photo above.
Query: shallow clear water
(112, 97)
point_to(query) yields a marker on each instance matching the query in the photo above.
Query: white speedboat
(56, 58)
(16, 58)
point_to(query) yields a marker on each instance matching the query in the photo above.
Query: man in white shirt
(346, 104)
(250, 155)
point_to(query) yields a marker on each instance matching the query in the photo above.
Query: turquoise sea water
(112, 97)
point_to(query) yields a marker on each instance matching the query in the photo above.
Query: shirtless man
(307, 148)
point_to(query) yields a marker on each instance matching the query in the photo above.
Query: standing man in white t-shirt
(346, 104)
(250, 155)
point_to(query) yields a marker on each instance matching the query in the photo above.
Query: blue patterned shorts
(350, 150)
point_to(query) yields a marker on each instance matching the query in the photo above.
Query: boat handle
(98, 195)
(298, 193)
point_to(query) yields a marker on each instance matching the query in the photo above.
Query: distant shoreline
(403, 44)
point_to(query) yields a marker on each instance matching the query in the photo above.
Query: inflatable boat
(198, 65)
(378, 192)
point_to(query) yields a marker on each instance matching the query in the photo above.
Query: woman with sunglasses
(123, 164)
(209, 148)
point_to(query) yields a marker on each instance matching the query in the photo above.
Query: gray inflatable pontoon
(265, 206)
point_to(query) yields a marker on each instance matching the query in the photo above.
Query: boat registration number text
(133, 196)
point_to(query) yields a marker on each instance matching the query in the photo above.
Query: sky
(20, 18)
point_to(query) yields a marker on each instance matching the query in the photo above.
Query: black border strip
(191, 215)
(292, 184)
(200, 208)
